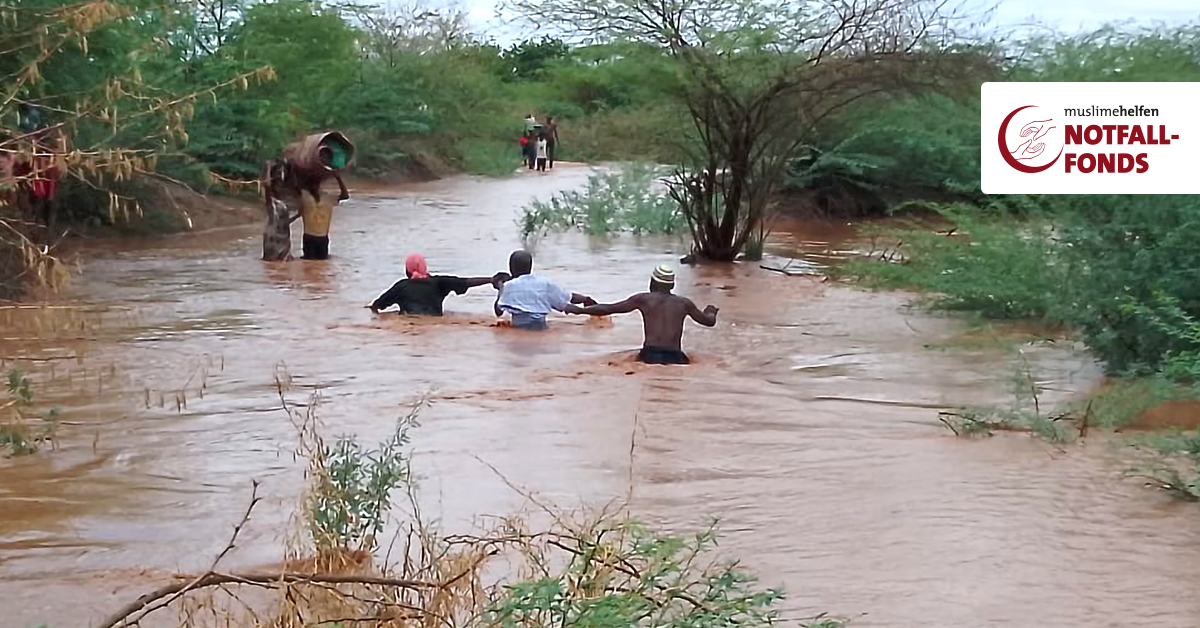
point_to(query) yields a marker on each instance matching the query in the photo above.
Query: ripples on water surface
(808, 423)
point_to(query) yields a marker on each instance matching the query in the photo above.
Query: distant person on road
(422, 294)
(530, 122)
(542, 148)
(529, 298)
(663, 315)
(551, 129)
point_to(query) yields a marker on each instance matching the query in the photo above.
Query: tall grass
(488, 157)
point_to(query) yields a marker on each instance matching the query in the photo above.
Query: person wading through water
(300, 189)
(663, 315)
(529, 298)
(421, 294)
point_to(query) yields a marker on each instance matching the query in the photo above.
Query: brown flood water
(808, 424)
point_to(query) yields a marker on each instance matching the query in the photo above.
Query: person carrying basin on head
(304, 166)
(422, 294)
(663, 315)
(529, 298)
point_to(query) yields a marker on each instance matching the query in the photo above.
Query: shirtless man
(663, 315)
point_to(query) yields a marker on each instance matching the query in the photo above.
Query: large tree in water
(758, 77)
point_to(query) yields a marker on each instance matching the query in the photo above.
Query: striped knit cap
(664, 274)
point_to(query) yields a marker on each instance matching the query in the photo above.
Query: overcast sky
(1067, 15)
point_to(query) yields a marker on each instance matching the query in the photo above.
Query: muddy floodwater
(808, 423)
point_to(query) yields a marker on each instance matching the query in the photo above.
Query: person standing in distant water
(551, 131)
(663, 315)
(529, 298)
(542, 150)
(421, 294)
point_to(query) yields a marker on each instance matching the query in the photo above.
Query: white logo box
(1147, 138)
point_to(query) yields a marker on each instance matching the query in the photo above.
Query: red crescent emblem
(1004, 147)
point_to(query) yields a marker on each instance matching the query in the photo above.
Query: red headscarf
(415, 266)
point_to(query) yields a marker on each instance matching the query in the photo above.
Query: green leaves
(353, 487)
(625, 200)
(23, 429)
(622, 574)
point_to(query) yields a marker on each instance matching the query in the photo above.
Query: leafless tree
(411, 27)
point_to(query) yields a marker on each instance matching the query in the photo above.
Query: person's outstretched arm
(606, 309)
(708, 317)
(475, 282)
(389, 298)
(580, 299)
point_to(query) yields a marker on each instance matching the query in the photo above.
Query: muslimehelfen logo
(1089, 138)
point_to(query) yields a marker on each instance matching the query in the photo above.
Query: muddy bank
(808, 423)
(170, 207)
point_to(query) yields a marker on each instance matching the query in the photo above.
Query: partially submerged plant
(620, 573)
(350, 486)
(625, 200)
(1167, 477)
(23, 428)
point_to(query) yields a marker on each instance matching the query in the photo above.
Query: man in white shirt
(529, 298)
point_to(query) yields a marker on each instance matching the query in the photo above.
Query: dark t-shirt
(422, 297)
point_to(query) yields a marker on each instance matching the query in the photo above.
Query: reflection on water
(807, 422)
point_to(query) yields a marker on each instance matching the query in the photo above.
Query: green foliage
(630, 575)
(1119, 270)
(528, 59)
(908, 148)
(1124, 400)
(24, 429)
(488, 157)
(824, 622)
(996, 268)
(353, 486)
(1114, 53)
(1174, 464)
(624, 200)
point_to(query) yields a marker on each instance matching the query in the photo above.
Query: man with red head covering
(421, 294)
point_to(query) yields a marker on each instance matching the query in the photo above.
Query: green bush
(627, 575)
(997, 268)
(488, 157)
(353, 486)
(624, 200)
